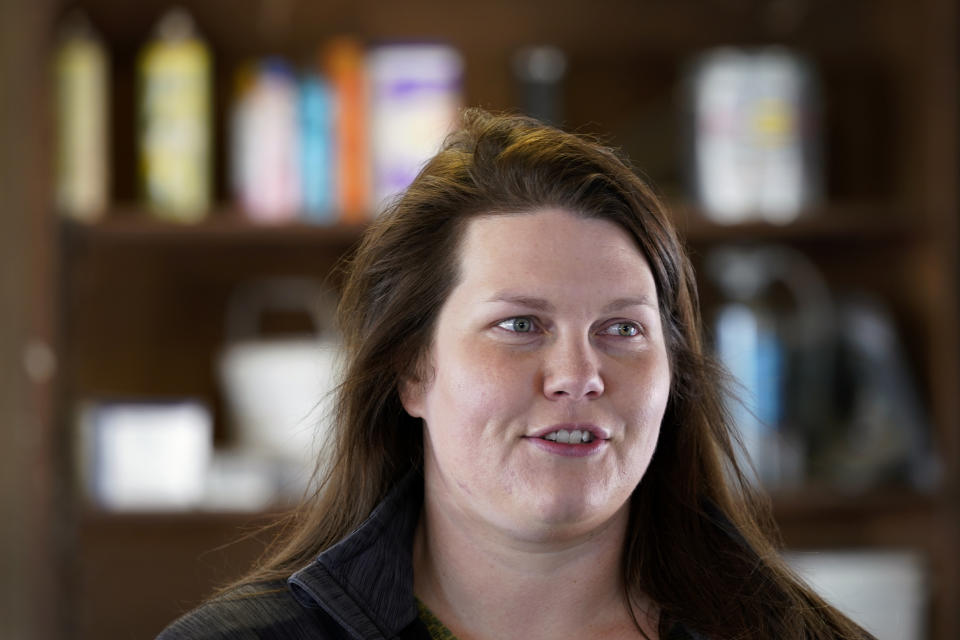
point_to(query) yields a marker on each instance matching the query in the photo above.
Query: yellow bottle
(175, 120)
(81, 81)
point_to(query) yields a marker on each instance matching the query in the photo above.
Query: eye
(622, 329)
(521, 324)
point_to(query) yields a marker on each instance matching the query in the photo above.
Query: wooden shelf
(796, 512)
(822, 504)
(222, 226)
(796, 504)
(94, 517)
(846, 222)
(841, 223)
(878, 520)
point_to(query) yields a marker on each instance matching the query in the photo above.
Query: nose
(572, 370)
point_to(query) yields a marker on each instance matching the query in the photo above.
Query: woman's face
(552, 334)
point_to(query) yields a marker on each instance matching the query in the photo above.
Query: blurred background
(180, 181)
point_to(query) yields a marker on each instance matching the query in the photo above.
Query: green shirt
(438, 631)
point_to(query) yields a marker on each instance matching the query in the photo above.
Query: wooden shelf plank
(897, 518)
(801, 504)
(844, 222)
(840, 222)
(223, 225)
(824, 503)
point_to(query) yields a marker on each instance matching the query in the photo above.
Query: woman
(531, 440)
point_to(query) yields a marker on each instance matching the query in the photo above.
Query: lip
(570, 450)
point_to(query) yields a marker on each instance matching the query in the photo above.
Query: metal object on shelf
(539, 72)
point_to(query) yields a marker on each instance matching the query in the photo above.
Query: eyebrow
(540, 304)
(623, 303)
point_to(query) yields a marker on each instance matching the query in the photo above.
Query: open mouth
(569, 437)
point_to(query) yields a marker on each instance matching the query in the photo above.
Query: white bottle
(270, 175)
(722, 162)
(783, 129)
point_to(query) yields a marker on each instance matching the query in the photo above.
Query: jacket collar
(365, 581)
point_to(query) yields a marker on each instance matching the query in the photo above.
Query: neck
(550, 588)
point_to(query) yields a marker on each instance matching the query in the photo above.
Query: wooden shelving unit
(135, 307)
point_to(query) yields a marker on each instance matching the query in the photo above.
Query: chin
(565, 514)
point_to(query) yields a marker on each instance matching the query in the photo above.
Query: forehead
(552, 246)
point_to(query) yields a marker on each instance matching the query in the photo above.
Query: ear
(415, 384)
(412, 394)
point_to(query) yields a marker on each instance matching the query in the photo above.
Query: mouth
(571, 434)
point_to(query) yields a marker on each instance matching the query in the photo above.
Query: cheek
(658, 398)
(648, 395)
(658, 392)
(476, 387)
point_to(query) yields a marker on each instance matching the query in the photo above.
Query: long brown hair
(699, 541)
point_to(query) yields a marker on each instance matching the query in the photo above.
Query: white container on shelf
(883, 591)
(145, 455)
(280, 389)
(278, 393)
(415, 93)
(755, 142)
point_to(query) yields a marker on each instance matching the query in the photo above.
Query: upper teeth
(569, 436)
